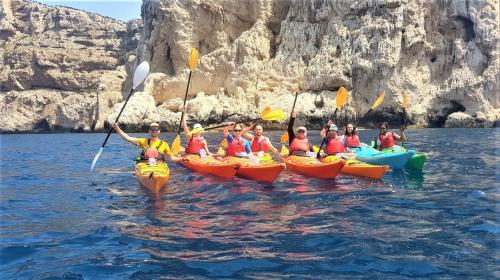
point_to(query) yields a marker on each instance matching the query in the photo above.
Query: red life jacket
(260, 144)
(299, 145)
(196, 143)
(387, 140)
(237, 146)
(352, 141)
(335, 146)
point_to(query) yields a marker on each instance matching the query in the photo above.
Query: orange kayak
(264, 172)
(359, 168)
(209, 165)
(152, 177)
(312, 167)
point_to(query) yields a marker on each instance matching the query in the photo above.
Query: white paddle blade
(96, 158)
(140, 74)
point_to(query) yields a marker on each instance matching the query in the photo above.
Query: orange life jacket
(237, 146)
(335, 145)
(352, 141)
(387, 140)
(260, 144)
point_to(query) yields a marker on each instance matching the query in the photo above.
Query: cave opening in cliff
(438, 120)
(468, 27)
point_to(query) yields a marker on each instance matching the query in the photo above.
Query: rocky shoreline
(69, 70)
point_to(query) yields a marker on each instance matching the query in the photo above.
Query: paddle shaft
(364, 116)
(184, 104)
(119, 114)
(223, 125)
(403, 124)
(295, 101)
(326, 134)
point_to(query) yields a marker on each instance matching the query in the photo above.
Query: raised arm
(402, 137)
(291, 134)
(245, 134)
(323, 131)
(124, 135)
(272, 148)
(184, 125)
(227, 128)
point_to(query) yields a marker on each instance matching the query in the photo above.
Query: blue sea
(58, 220)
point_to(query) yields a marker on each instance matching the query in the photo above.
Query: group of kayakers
(242, 143)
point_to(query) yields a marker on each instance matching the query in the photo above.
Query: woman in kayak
(299, 144)
(334, 143)
(153, 148)
(197, 144)
(351, 137)
(236, 144)
(387, 139)
(259, 143)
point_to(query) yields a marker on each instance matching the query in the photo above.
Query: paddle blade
(193, 59)
(341, 97)
(405, 100)
(265, 111)
(221, 151)
(285, 138)
(176, 145)
(140, 74)
(379, 100)
(224, 143)
(284, 151)
(96, 158)
(316, 149)
(273, 115)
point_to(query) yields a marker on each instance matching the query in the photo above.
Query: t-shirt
(142, 143)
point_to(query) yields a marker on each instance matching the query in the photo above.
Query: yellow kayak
(152, 177)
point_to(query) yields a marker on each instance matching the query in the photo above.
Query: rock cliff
(61, 68)
(67, 69)
(444, 54)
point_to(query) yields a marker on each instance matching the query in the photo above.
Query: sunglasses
(301, 131)
(154, 129)
(237, 130)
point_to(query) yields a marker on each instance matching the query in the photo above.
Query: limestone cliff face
(444, 54)
(61, 68)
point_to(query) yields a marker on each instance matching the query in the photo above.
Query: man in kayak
(351, 137)
(298, 144)
(387, 139)
(153, 148)
(334, 143)
(259, 143)
(237, 145)
(197, 145)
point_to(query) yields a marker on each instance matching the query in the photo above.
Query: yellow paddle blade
(284, 151)
(341, 97)
(265, 111)
(379, 100)
(266, 157)
(193, 59)
(221, 151)
(315, 149)
(176, 145)
(273, 115)
(183, 149)
(285, 138)
(224, 143)
(405, 100)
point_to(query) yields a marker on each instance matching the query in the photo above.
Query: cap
(154, 124)
(197, 125)
(334, 127)
(302, 128)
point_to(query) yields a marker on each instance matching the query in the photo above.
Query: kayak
(209, 165)
(359, 168)
(152, 177)
(417, 161)
(265, 171)
(395, 159)
(312, 167)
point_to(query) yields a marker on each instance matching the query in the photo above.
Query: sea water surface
(58, 220)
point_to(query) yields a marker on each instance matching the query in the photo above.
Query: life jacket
(237, 146)
(352, 141)
(386, 140)
(335, 146)
(260, 144)
(149, 150)
(299, 146)
(196, 143)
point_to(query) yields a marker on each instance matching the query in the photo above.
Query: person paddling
(299, 144)
(259, 143)
(197, 144)
(351, 137)
(153, 148)
(237, 145)
(387, 139)
(334, 143)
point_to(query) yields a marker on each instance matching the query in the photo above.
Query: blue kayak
(395, 159)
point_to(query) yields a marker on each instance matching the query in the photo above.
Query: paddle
(285, 137)
(379, 101)
(405, 105)
(340, 100)
(266, 115)
(192, 61)
(140, 74)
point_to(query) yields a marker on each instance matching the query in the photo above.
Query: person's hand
(330, 122)
(294, 115)
(250, 124)
(402, 128)
(115, 126)
(182, 109)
